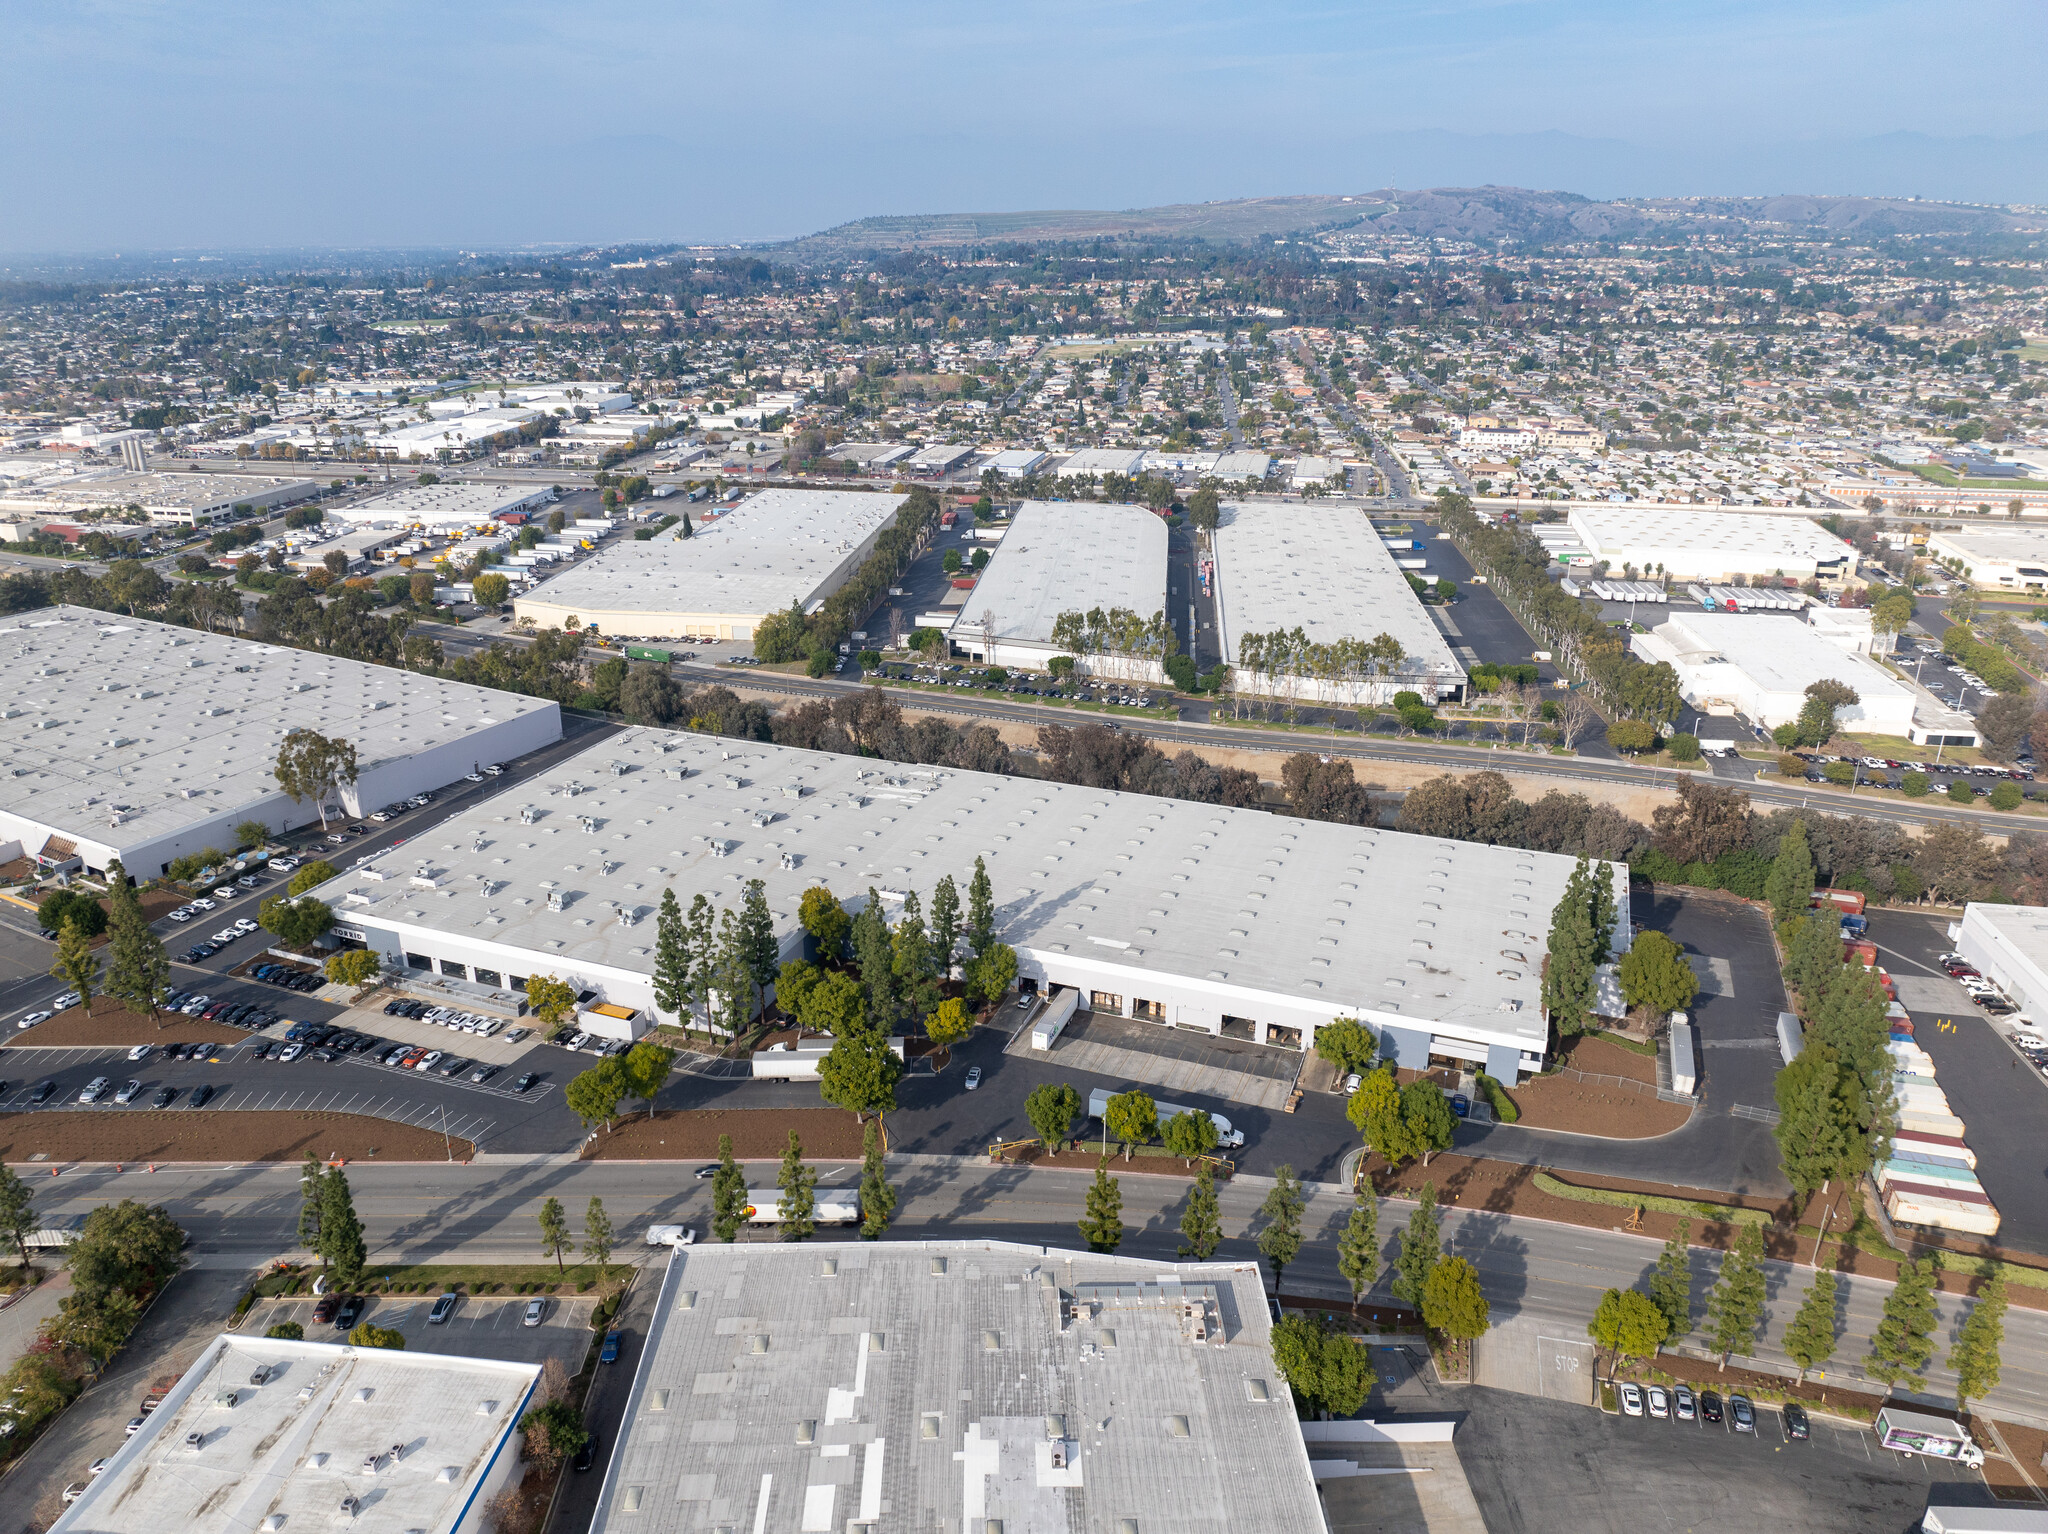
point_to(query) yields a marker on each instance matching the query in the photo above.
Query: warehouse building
(135, 740)
(1327, 572)
(1993, 558)
(1104, 460)
(1232, 922)
(170, 500)
(979, 1386)
(443, 508)
(2009, 945)
(1702, 545)
(267, 1433)
(775, 550)
(1759, 665)
(1066, 557)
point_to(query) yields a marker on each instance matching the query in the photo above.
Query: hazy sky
(214, 123)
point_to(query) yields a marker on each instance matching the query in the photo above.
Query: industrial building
(443, 508)
(1688, 544)
(1066, 556)
(135, 740)
(1231, 922)
(1327, 572)
(170, 500)
(2009, 945)
(980, 1386)
(775, 550)
(1759, 665)
(266, 1433)
(2013, 558)
(1104, 460)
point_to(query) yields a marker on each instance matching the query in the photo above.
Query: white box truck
(1098, 1104)
(831, 1206)
(1916, 1432)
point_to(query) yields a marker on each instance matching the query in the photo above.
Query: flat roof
(955, 1384)
(1248, 899)
(1610, 531)
(1777, 651)
(2012, 544)
(173, 726)
(300, 1442)
(774, 548)
(1069, 556)
(163, 492)
(1325, 570)
(1104, 460)
(446, 503)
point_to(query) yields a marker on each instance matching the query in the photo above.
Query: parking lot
(483, 1325)
(1541, 1465)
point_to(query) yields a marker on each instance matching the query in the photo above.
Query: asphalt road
(242, 1216)
(2001, 1099)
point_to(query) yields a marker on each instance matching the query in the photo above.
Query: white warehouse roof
(1694, 542)
(1068, 556)
(447, 505)
(321, 1427)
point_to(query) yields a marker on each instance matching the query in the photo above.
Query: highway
(246, 1215)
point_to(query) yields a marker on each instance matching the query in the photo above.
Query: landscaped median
(758, 1134)
(114, 1024)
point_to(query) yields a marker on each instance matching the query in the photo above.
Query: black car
(364, 1044)
(518, 1086)
(163, 1098)
(585, 1456)
(199, 1096)
(1710, 1406)
(350, 1312)
(258, 1052)
(44, 1091)
(1795, 1421)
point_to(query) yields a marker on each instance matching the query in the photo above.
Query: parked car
(973, 1078)
(585, 1456)
(483, 1073)
(1743, 1414)
(164, 1097)
(1796, 1425)
(444, 1307)
(1710, 1406)
(525, 1081)
(1631, 1398)
(140, 1053)
(200, 1096)
(325, 1306)
(43, 1092)
(95, 1089)
(609, 1353)
(536, 1312)
(128, 1090)
(351, 1311)
(1660, 1403)
(1683, 1404)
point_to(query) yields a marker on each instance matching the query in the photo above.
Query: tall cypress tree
(877, 1198)
(1201, 1225)
(342, 1246)
(1358, 1248)
(1813, 957)
(139, 971)
(1568, 978)
(1671, 1281)
(1421, 1249)
(728, 1194)
(1102, 1219)
(981, 910)
(1810, 1339)
(1818, 1139)
(672, 959)
(945, 925)
(1789, 886)
(875, 955)
(1737, 1303)
(1975, 1355)
(1904, 1341)
(759, 951)
(799, 1184)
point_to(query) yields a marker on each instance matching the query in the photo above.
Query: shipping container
(647, 652)
(1945, 1145)
(1941, 1213)
(1946, 1125)
(1852, 901)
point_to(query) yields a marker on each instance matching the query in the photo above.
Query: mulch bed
(1505, 1188)
(758, 1134)
(111, 1023)
(2029, 1447)
(1607, 1108)
(134, 1137)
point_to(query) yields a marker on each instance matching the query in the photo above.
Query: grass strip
(1726, 1214)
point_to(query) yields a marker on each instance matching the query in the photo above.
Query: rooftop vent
(274, 1522)
(875, 1340)
(486, 1408)
(991, 1341)
(1056, 1427)
(928, 1426)
(316, 1462)
(657, 1400)
(757, 1343)
(828, 1267)
(938, 1267)
(687, 1300)
(1176, 1427)
(1127, 1526)
(807, 1430)
(1256, 1390)
(361, 1395)
(447, 1473)
(630, 1499)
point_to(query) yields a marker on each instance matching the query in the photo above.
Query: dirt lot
(758, 1134)
(1599, 1107)
(111, 1023)
(182, 1135)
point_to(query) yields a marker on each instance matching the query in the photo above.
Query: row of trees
(124, 1254)
(1638, 1323)
(792, 635)
(1287, 666)
(721, 961)
(1117, 642)
(594, 1095)
(797, 1184)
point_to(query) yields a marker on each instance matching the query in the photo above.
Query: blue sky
(216, 123)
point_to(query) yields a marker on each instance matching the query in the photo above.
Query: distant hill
(1486, 214)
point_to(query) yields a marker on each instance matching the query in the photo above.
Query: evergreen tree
(981, 910)
(1789, 887)
(1816, 1132)
(1671, 1281)
(597, 1236)
(1904, 1341)
(945, 924)
(1201, 1225)
(1810, 1339)
(554, 1232)
(732, 973)
(700, 942)
(1737, 1303)
(1375, 1112)
(1813, 957)
(342, 1247)
(1974, 1358)
(18, 1217)
(877, 1198)
(1102, 1222)
(1453, 1303)
(1280, 1240)
(728, 1194)
(1358, 1248)
(913, 970)
(799, 1185)
(759, 950)
(1421, 1250)
(311, 1191)
(875, 955)
(1629, 1324)
(672, 959)
(76, 965)
(140, 971)
(1575, 953)
(860, 1073)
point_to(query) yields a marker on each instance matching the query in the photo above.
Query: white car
(282, 865)
(671, 1235)
(973, 1077)
(31, 1019)
(225, 892)
(140, 1052)
(245, 926)
(181, 914)
(432, 1058)
(68, 999)
(1631, 1399)
(196, 1005)
(226, 935)
(203, 904)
